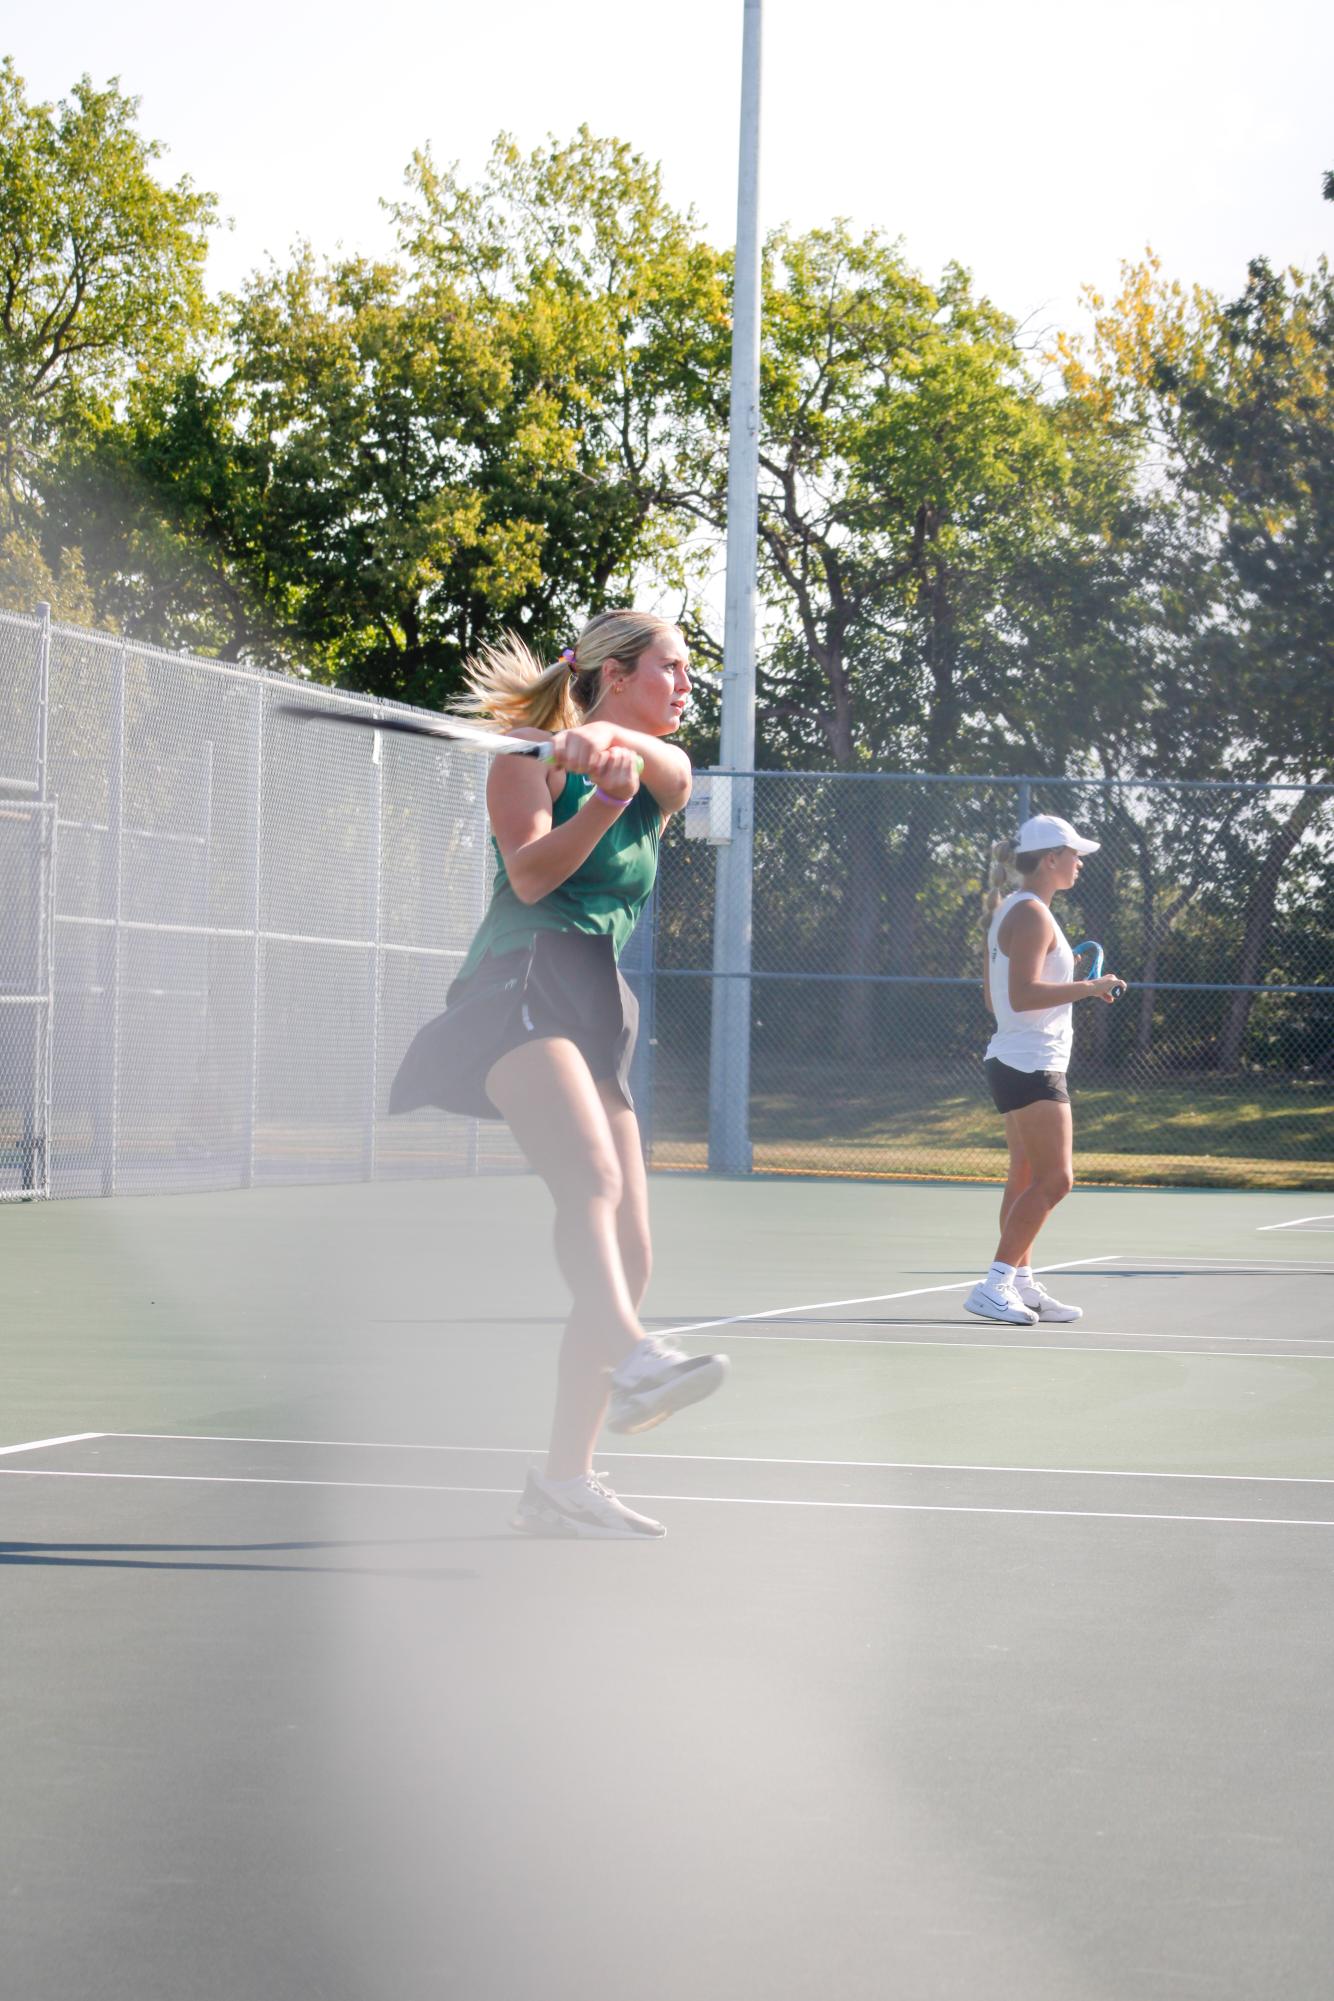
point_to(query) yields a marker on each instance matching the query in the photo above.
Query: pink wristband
(609, 798)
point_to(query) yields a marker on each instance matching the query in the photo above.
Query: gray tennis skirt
(566, 983)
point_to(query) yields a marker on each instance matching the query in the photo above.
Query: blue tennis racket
(1095, 956)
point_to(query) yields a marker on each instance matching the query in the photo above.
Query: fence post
(473, 1147)
(43, 695)
(376, 869)
(50, 828)
(206, 882)
(729, 1040)
(39, 1141)
(34, 1140)
(113, 864)
(256, 915)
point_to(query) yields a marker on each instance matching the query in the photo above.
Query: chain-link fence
(248, 921)
(1216, 902)
(220, 930)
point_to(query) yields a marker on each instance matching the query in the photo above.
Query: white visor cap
(1049, 830)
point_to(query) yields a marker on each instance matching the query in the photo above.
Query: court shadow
(210, 1556)
(1201, 1268)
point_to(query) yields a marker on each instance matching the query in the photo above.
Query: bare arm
(1026, 936)
(538, 856)
(665, 775)
(986, 976)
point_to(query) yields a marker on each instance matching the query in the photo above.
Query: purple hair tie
(567, 656)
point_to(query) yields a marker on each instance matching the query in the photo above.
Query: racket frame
(442, 729)
(1092, 946)
(492, 743)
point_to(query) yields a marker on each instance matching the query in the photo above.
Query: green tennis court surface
(978, 1662)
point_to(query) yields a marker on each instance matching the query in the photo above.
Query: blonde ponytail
(1003, 876)
(509, 687)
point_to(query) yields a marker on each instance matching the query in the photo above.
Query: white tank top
(1038, 1038)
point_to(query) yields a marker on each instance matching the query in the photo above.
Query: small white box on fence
(709, 813)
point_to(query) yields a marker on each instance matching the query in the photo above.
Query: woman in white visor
(1030, 988)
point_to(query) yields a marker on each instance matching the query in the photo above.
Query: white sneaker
(999, 1302)
(590, 1509)
(653, 1381)
(1034, 1294)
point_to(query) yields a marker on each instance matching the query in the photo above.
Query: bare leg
(581, 1392)
(1020, 1173)
(632, 1226)
(547, 1095)
(1044, 1134)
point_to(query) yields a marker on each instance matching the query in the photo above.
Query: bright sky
(1039, 144)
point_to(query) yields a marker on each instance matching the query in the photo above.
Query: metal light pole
(729, 1047)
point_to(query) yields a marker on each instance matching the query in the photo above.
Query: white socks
(1019, 1276)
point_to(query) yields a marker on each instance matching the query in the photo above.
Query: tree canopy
(101, 286)
(1113, 559)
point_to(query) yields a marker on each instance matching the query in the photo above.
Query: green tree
(27, 579)
(324, 472)
(1257, 437)
(948, 557)
(101, 281)
(1234, 401)
(613, 314)
(393, 462)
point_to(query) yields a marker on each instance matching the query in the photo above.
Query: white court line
(37, 1444)
(867, 1299)
(703, 1500)
(1039, 1347)
(1095, 1335)
(1261, 1340)
(1295, 1224)
(734, 1459)
(1089, 1347)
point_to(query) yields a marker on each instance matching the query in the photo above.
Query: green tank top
(604, 895)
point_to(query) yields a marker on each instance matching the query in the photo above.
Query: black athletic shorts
(566, 983)
(1011, 1089)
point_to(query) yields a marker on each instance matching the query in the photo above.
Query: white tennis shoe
(1034, 1294)
(654, 1380)
(999, 1302)
(586, 1508)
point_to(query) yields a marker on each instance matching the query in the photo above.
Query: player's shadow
(221, 1556)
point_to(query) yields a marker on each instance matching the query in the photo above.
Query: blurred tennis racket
(1094, 969)
(444, 729)
(447, 729)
